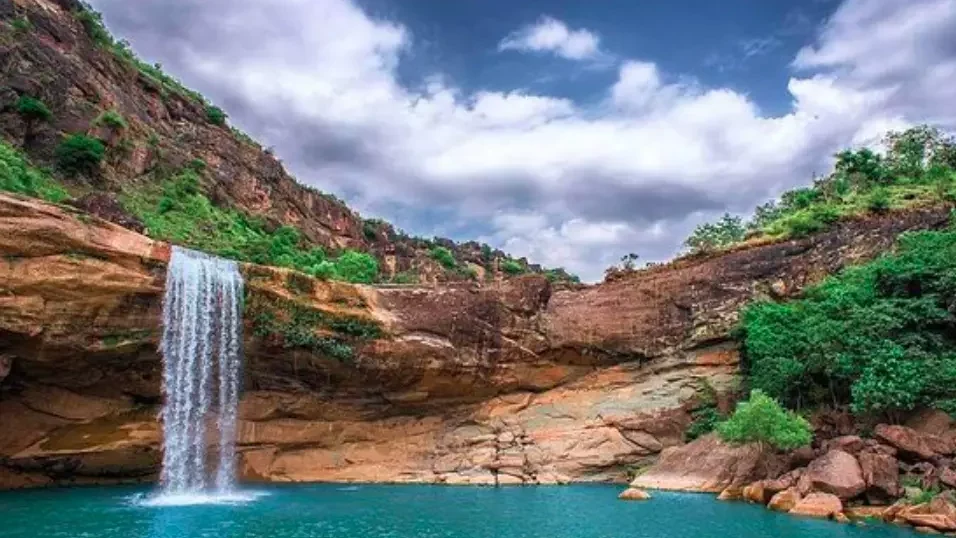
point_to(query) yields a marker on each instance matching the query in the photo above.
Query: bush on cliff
(79, 154)
(178, 211)
(16, 175)
(880, 337)
(762, 420)
(443, 256)
(33, 109)
(919, 167)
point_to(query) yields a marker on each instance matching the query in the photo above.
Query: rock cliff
(510, 382)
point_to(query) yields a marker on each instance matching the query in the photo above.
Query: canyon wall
(499, 383)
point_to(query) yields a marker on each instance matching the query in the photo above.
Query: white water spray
(202, 335)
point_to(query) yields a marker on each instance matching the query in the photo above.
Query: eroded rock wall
(512, 382)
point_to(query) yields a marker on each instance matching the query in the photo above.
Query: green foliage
(443, 256)
(17, 175)
(215, 115)
(79, 154)
(919, 167)
(512, 267)
(294, 325)
(711, 236)
(21, 25)
(705, 420)
(762, 420)
(880, 337)
(369, 230)
(111, 119)
(178, 211)
(358, 267)
(33, 109)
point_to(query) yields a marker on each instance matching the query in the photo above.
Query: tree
(762, 420)
(629, 261)
(356, 267)
(79, 154)
(711, 236)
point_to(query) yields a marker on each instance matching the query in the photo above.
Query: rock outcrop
(512, 382)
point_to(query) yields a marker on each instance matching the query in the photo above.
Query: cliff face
(511, 383)
(167, 127)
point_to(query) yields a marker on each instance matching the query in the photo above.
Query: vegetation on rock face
(215, 115)
(511, 267)
(919, 167)
(880, 337)
(17, 175)
(33, 109)
(762, 420)
(111, 119)
(178, 211)
(293, 325)
(79, 154)
(443, 256)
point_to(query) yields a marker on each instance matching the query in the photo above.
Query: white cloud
(551, 35)
(542, 176)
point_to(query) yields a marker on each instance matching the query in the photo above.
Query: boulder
(802, 457)
(756, 493)
(851, 444)
(822, 505)
(785, 500)
(838, 473)
(731, 494)
(881, 474)
(932, 421)
(908, 441)
(708, 464)
(634, 494)
(947, 476)
(938, 514)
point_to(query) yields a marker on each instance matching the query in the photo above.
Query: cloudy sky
(566, 131)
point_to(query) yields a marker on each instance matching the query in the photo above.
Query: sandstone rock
(931, 421)
(851, 444)
(802, 456)
(909, 442)
(731, 494)
(634, 494)
(708, 464)
(821, 505)
(947, 476)
(881, 474)
(865, 512)
(755, 493)
(838, 473)
(785, 500)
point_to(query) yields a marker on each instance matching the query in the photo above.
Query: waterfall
(202, 363)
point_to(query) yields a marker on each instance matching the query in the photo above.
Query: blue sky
(570, 132)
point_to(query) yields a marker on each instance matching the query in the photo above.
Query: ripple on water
(191, 499)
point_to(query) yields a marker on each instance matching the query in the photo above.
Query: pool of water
(379, 511)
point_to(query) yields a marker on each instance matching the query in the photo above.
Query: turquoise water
(376, 511)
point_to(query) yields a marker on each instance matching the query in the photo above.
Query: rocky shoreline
(901, 474)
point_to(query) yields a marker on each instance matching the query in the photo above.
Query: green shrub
(79, 154)
(511, 267)
(704, 421)
(879, 200)
(111, 119)
(405, 277)
(33, 109)
(21, 25)
(358, 267)
(443, 256)
(725, 232)
(16, 175)
(880, 337)
(215, 115)
(762, 420)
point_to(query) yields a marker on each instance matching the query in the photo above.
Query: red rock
(821, 505)
(881, 474)
(838, 473)
(932, 421)
(634, 494)
(708, 464)
(785, 500)
(755, 493)
(947, 476)
(908, 441)
(851, 444)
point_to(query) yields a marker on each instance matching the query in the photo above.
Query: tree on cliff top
(762, 420)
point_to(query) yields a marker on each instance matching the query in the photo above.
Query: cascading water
(202, 336)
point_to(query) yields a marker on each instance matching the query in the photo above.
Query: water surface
(380, 511)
